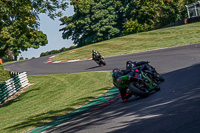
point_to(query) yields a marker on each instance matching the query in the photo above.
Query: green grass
(4, 75)
(9, 62)
(161, 38)
(51, 96)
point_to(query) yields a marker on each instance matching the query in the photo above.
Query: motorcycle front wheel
(158, 77)
(103, 62)
(136, 91)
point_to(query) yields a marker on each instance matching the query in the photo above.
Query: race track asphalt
(164, 60)
(174, 109)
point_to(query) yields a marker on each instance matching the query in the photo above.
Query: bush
(21, 58)
(131, 27)
(4, 75)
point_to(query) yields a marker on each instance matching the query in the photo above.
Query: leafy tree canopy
(155, 14)
(95, 20)
(19, 23)
(98, 20)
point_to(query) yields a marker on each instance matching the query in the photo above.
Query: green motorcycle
(137, 82)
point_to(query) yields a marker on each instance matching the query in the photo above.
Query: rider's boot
(128, 95)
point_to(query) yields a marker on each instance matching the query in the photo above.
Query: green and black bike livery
(138, 83)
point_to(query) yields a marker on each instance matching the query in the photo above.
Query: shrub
(4, 75)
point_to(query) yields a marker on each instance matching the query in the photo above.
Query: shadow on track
(93, 67)
(173, 109)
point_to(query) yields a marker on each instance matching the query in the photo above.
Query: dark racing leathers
(96, 55)
(144, 66)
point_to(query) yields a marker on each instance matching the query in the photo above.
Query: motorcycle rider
(119, 76)
(143, 65)
(95, 55)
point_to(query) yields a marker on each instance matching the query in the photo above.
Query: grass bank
(9, 62)
(50, 97)
(161, 38)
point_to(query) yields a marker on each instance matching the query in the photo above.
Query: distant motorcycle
(98, 58)
(100, 61)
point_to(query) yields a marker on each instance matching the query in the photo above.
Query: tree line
(57, 51)
(98, 20)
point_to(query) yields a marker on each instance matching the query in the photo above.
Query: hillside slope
(161, 38)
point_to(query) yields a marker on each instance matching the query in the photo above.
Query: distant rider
(95, 55)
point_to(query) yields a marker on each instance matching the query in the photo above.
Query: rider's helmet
(93, 51)
(117, 73)
(129, 65)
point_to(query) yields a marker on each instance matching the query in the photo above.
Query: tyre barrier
(184, 21)
(193, 19)
(11, 86)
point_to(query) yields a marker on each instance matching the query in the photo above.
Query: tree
(57, 51)
(155, 14)
(134, 27)
(99, 20)
(19, 23)
(21, 58)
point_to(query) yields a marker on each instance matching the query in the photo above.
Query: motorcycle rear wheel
(136, 91)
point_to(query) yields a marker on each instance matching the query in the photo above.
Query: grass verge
(161, 38)
(9, 62)
(51, 96)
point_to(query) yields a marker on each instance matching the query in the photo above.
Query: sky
(51, 29)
